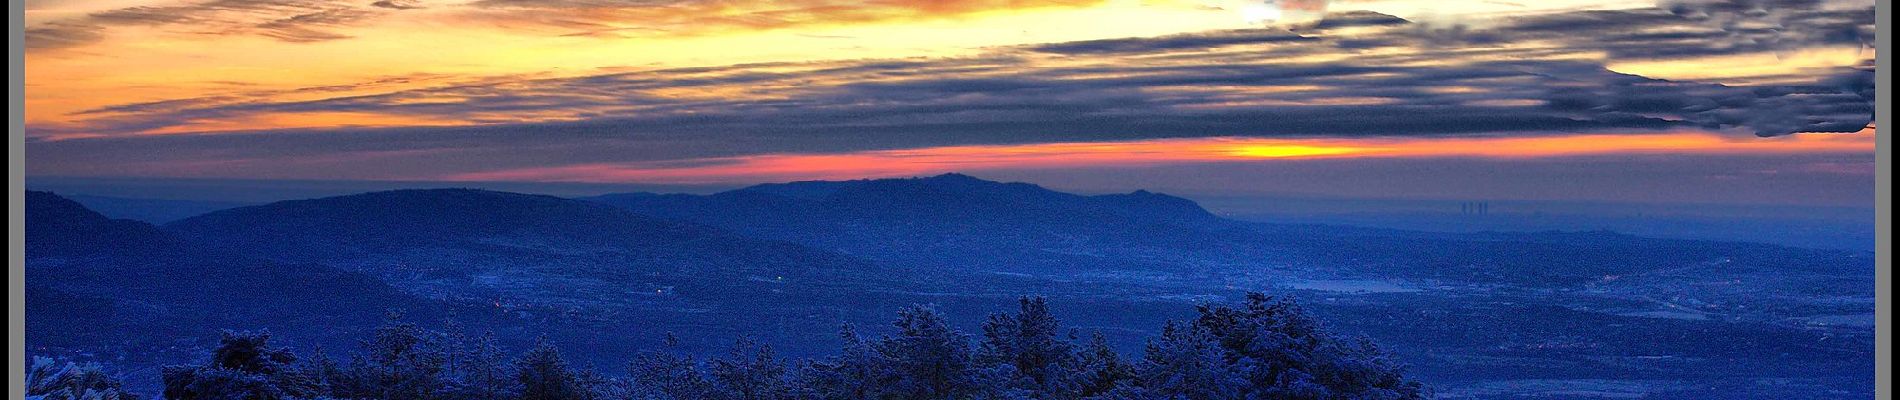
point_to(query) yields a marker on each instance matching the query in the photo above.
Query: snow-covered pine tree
(750, 372)
(930, 360)
(1041, 361)
(543, 375)
(49, 379)
(402, 361)
(1101, 369)
(667, 375)
(1283, 352)
(857, 372)
(483, 370)
(1186, 362)
(244, 366)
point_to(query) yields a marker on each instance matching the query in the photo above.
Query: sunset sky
(1683, 101)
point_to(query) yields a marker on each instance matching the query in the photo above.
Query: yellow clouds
(645, 18)
(1793, 66)
(303, 21)
(917, 74)
(222, 48)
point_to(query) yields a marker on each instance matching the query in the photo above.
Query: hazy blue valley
(1472, 315)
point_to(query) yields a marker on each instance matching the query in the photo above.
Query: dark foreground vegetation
(1265, 348)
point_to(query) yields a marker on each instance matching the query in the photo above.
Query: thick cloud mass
(1357, 74)
(287, 20)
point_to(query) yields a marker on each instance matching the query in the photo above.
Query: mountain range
(960, 223)
(788, 263)
(415, 227)
(129, 291)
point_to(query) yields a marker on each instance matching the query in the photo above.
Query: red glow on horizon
(923, 161)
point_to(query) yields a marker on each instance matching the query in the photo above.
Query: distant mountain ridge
(997, 225)
(941, 197)
(960, 195)
(151, 210)
(958, 222)
(100, 285)
(62, 227)
(478, 244)
(390, 220)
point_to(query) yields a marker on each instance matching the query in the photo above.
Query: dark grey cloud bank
(1356, 75)
(287, 20)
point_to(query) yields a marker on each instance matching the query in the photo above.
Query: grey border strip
(16, 196)
(1883, 198)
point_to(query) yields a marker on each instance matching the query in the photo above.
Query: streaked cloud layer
(678, 91)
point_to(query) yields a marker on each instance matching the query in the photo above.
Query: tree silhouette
(244, 366)
(1262, 348)
(544, 375)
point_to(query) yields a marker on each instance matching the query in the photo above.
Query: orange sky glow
(695, 92)
(457, 43)
(924, 161)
